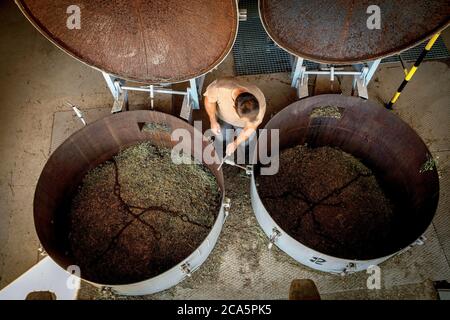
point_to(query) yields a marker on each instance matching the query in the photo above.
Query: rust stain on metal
(153, 41)
(331, 31)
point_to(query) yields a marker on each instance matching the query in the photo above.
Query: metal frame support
(361, 77)
(194, 95)
(120, 96)
(300, 78)
(367, 72)
(373, 66)
(191, 100)
(297, 71)
(242, 14)
(112, 86)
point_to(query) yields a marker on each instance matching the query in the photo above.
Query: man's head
(247, 106)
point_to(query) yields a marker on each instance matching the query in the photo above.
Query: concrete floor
(38, 78)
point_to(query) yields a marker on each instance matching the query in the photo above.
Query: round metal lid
(150, 41)
(336, 31)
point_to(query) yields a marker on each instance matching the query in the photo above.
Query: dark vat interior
(382, 142)
(85, 150)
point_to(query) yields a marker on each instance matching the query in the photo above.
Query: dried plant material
(140, 214)
(153, 126)
(326, 112)
(329, 201)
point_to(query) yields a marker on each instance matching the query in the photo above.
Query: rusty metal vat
(336, 32)
(154, 41)
(386, 144)
(88, 148)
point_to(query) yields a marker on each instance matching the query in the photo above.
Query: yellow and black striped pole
(413, 70)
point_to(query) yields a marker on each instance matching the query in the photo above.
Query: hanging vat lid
(337, 32)
(153, 41)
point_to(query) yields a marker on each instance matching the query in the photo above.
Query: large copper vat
(88, 148)
(385, 144)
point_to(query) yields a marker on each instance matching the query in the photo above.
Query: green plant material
(429, 165)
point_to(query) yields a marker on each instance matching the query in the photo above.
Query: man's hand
(231, 148)
(215, 128)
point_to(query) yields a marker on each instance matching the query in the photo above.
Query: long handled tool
(222, 163)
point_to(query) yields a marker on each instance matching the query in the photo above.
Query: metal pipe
(147, 89)
(336, 73)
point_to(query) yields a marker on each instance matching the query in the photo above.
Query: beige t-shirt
(220, 92)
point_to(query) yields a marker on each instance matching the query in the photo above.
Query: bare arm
(243, 136)
(211, 111)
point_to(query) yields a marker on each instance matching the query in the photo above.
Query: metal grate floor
(255, 53)
(439, 51)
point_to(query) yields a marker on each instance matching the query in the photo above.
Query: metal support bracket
(249, 170)
(186, 269)
(112, 86)
(361, 88)
(121, 103)
(274, 237)
(191, 100)
(296, 71)
(226, 208)
(361, 77)
(108, 292)
(300, 78)
(362, 82)
(41, 253)
(419, 242)
(195, 91)
(186, 109)
(120, 96)
(303, 89)
(243, 14)
(350, 268)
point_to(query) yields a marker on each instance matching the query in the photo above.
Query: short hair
(247, 106)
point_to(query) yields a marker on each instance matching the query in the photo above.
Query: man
(232, 104)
